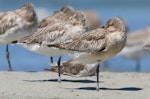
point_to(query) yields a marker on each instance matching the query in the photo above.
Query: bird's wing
(7, 21)
(44, 22)
(45, 35)
(61, 15)
(92, 41)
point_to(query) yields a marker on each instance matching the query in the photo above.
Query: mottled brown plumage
(63, 25)
(97, 45)
(26, 14)
(54, 34)
(89, 42)
(74, 68)
(17, 24)
(23, 20)
(66, 13)
(99, 40)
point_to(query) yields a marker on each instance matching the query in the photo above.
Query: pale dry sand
(43, 85)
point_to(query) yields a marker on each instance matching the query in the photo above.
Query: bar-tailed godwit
(17, 24)
(97, 45)
(58, 30)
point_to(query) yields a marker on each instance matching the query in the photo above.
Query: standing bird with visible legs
(60, 31)
(134, 47)
(68, 14)
(17, 24)
(97, 45)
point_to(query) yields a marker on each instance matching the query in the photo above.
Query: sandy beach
(43, 85)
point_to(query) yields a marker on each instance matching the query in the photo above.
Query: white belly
(16, 33)
(44, 50)
(87, 58)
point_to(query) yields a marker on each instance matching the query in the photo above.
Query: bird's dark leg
(8, 59)
(138, 66)
(59, 77)
(97, 71)
(51, 58)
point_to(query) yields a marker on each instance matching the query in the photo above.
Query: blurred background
(135, 12)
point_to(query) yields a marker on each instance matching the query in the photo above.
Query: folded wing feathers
(7, 23)
(61, 15)
(92, 41)
(45, 35)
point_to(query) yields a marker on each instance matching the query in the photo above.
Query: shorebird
(75, 17)
(57, 31)
(134, 49)
(17, 24)
(67, 13)
(97, 45)
(74, 68)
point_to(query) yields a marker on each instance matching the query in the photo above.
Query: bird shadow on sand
(103, 88)
(64, 80)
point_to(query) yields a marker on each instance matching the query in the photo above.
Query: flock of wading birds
(75, 33)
